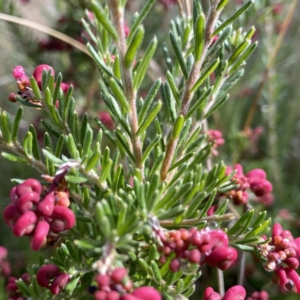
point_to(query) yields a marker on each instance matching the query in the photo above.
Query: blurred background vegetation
(260, 122)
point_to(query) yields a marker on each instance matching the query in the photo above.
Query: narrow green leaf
(238, 51)
(143, 66)
(6, 128)
(216, 106)
(100, 63)
(72, 147)
(117, 68)
(125, 145)
(35, 88)
(168, 98)
(195, 204)
(208, 204)
(35, 146)
(178, 54)
(157, 163)
(233, 17)
(242, 58)
(16, 124)
(199, 102)
(241, 221)
(92, 162)
(87, 141)
(119, 94)
(75, 179)
(217, 45)
(189, 292)
(143, 13)
(199, 36)
(14, 158)
(105, 171)
(23, 288)
(50, 129)
(150, 147)
(156, 273)
(102, 17)
(151, 115)
(68, 104)
(173, 87)
(56, 93)
(178, 126)
(27, 143)
(206, 72)
(250, 33)
(52, 157)
(222, 4)
(148, 100)
(134, 47)
(171, 213)
(102, 220)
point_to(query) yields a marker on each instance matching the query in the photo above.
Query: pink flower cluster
(12, 288)
(50, 277)
(23, 82)
(36, 215)
(263, 295)
(236, 292)
(117, 285)
(197, 247)
(216, 137)
(4, 265)
(282, 255)
(255, 180)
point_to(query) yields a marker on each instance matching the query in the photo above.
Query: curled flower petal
(45, 274)
(147, 293)
(59, 282)
(46, 206)
(40, 235)
(25, 224)
(63, 219)
(235, 293)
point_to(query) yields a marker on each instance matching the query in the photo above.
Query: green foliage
(155, 167)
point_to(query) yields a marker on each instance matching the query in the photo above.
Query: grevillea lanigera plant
(132, 204)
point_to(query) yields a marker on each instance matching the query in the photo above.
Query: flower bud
(118, 275)
(12, 97)
(261, 187)
(175, 265)
(18, 72)
(38, 73)
(256, 173)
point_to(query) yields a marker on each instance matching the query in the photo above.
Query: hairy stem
(188, 94)
(117, 13)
